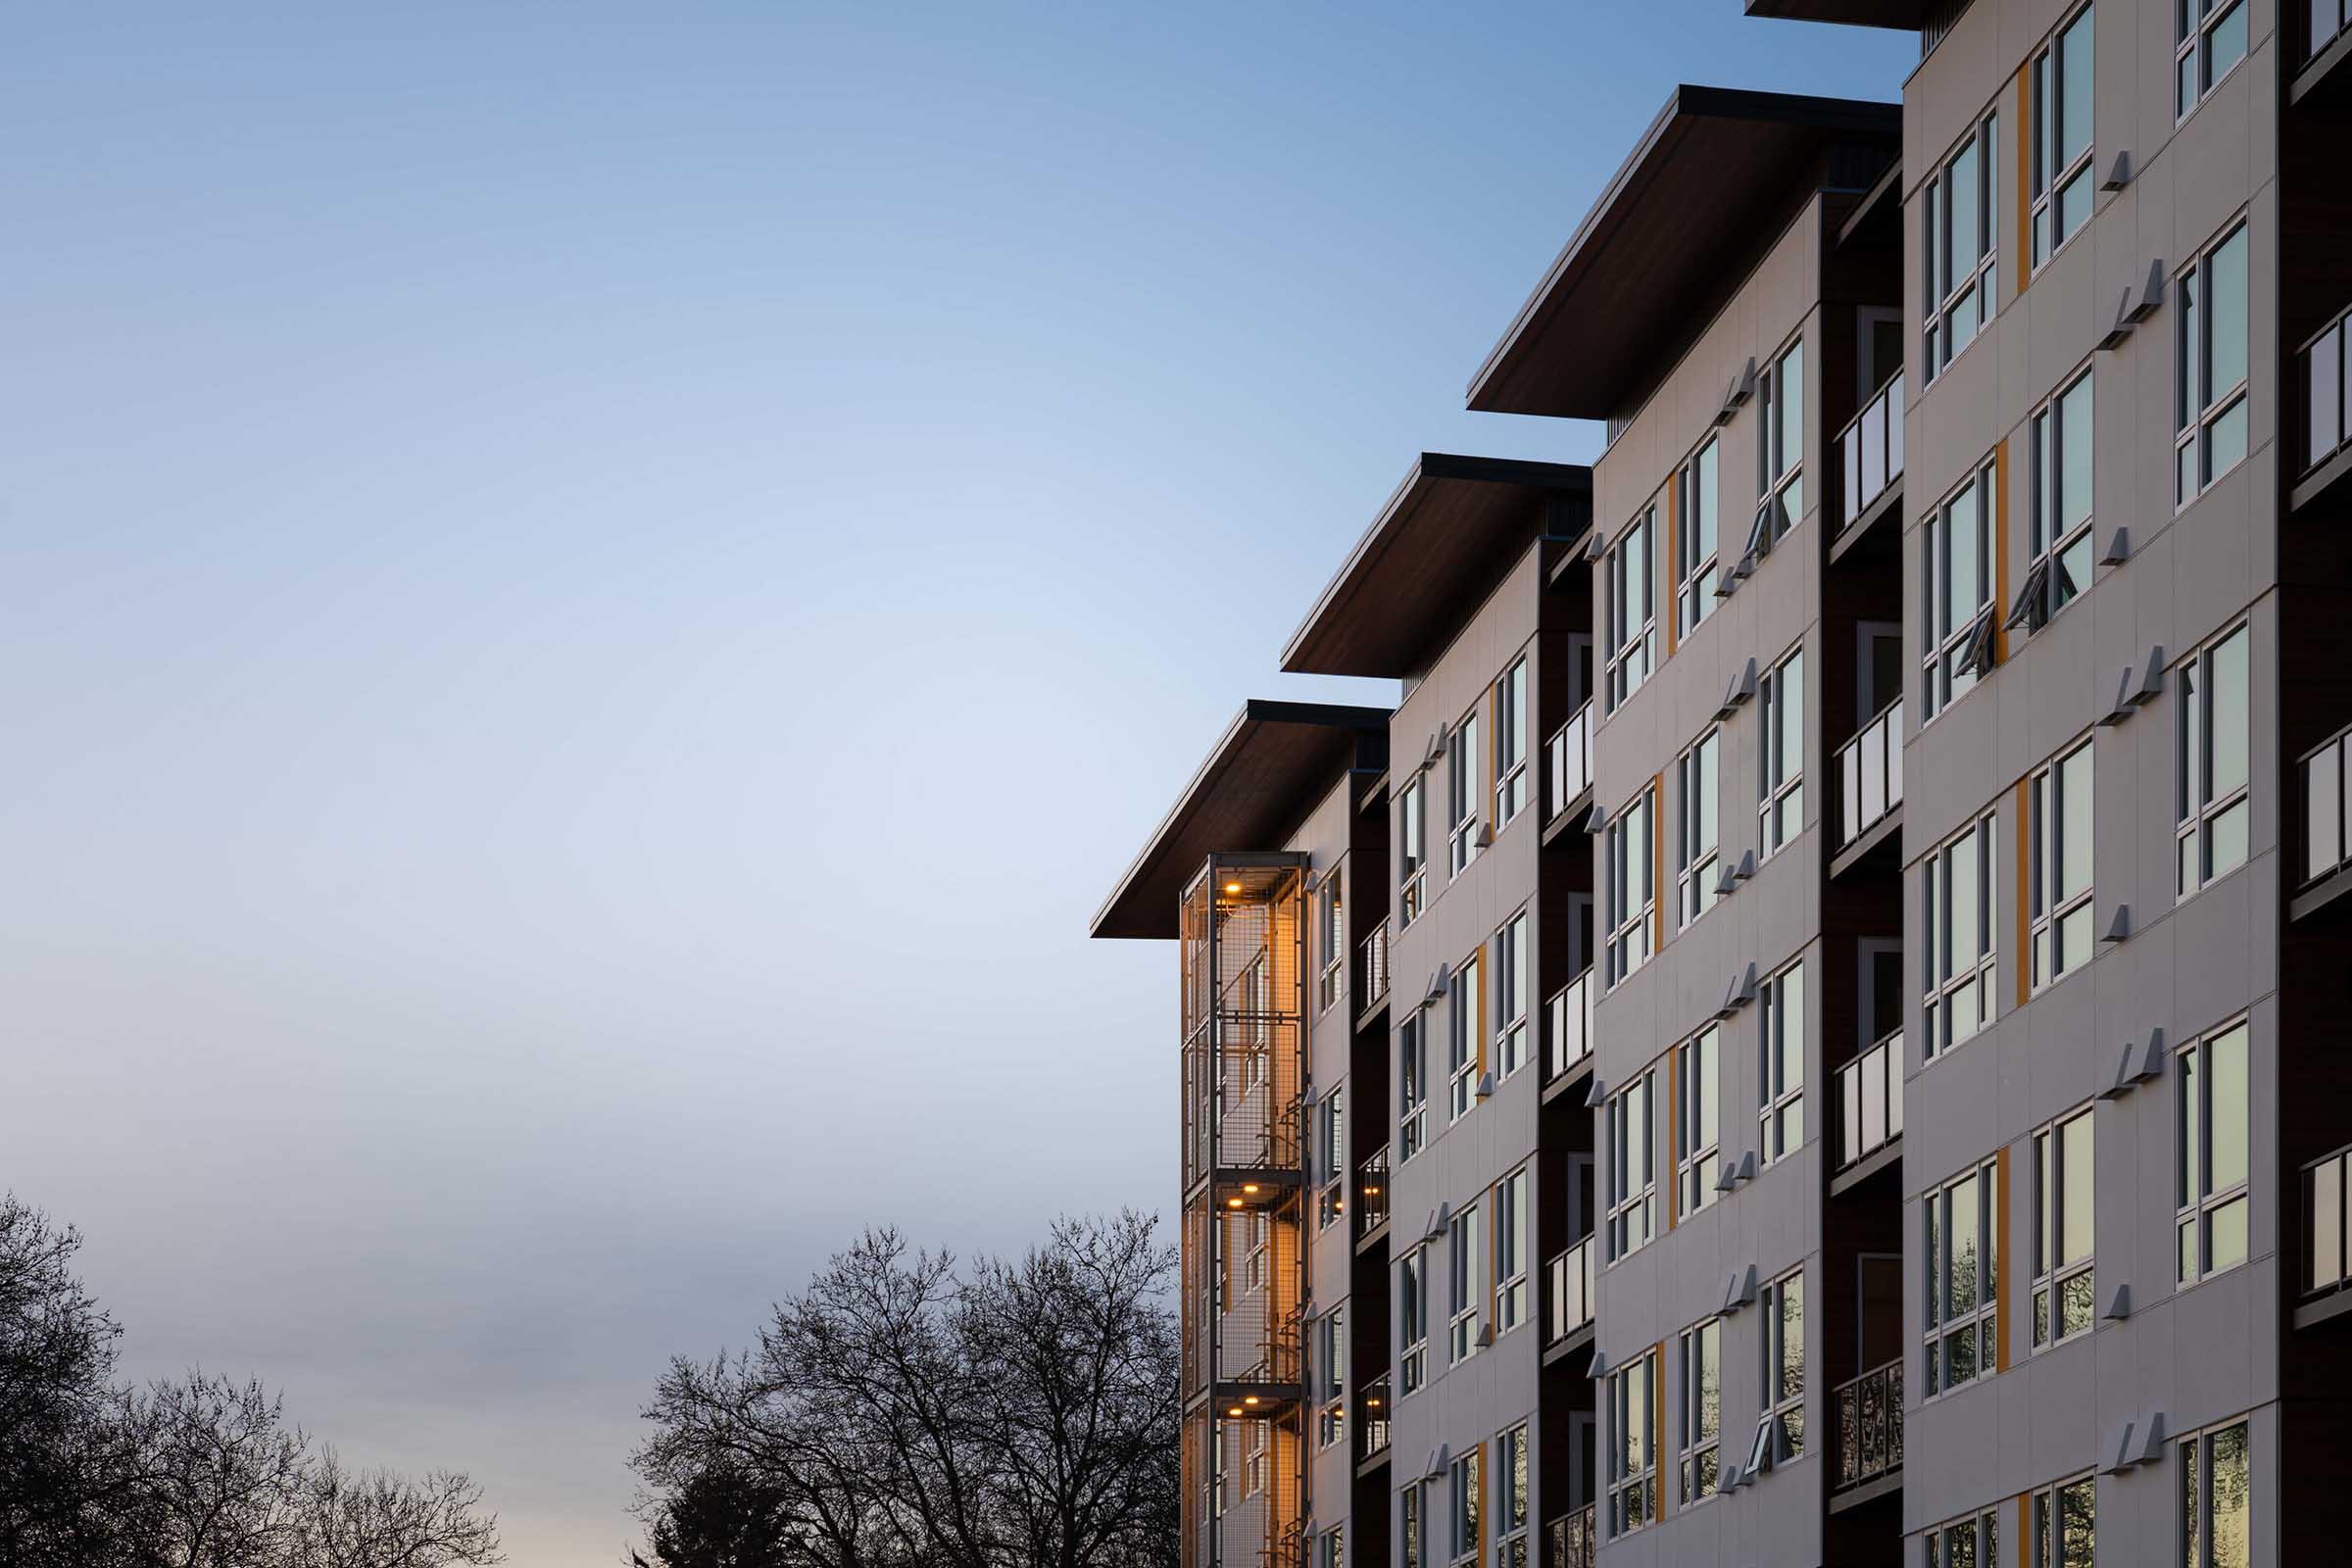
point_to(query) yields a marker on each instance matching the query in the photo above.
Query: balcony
(1870, 452)
(2321, 370)
(1372, 1420)
(1869, 1100)
(1870, 775)
(1568, 1027)
(1570, 1539)
(1372, 1192)
(1568, 762)
(1372, 966)
(1869, 1419)
(1568, 1292)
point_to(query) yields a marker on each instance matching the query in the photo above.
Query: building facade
(1804, 1037)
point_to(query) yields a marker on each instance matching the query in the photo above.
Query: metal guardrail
(1568, 761)
(1869, 774)
(1870, 449)
(1568, 1026)
(2327, 1263)
(1372, 1406)
(1571, 1540)
(1870, 1097)
(1568, 1291)
(2320, 366)
(1372, 1191)
(1869, 1412)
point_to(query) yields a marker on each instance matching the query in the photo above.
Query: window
(1510, 996)
(2060, 513)
(1632, 1174)
(2212, 38)
(1467, 1278)
(1699, 1406)
(1328, 1550)
(1696, 530)
(1960, 247)
(2212, 1130)
(1254, 1443)
(2210, 688)
(1780, 450)
(1466, 1522)
(1218, 1438)
(1465, 1012)
(1510, 743)
(1696, 831)
(1633, 616)
(2061, 1230)
(2058, 881)
(1633, 889)
(1412, 848)
(1465, 793)
(1413, 1319)
(1632, 1414)
(2217, 1496)
(1956, 587)
(1408, 1524)
(1254, 1268)
(1331, 1158)
(1412, 1087)
(1510, 1250)
(1331, 1377)
(1695, 1139)
(1331, 941)
(1782, 1070)
(2062, 1525)
(1957, 886)
(2209, 384)
(2063, 186)
(1510, 1527)
(1971, 1542)
(1964, 1330)
(1781, 1431)
(1781, 787)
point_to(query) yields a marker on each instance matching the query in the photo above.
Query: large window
(1510, 996)
(1412, 847)
(1331, 1158)
(2063, 184)
(2209, 384)
(1781, 752)
(1412, 1320)
(1511, 787)
(2058, 877)
(1513, 1499)
(1781, 1434)
(1695, 830)
(1956, 884)
(2217, 1496)
(1959, 244)
(1412, 1087)
(1698, 1404)
(1466, 791)
(1256, 1443)
(1408, 1524)
(1781, 1067)
(1632, 612)
(1464, 1013)
(1632, 1171)
(1466, 1278)
(1632, 1471)
(1697, 1140)
(1956, 589)
(2210, 691)
(2061, 1230)
(1510, 1250)
(1963, 1260)
(2210, 38)
(2212, 1129)
(1696, 527)
(1331, 1377)
(2060, 513)
(1331, 944)
(2062, 1525)
(1466, 1500)
(1971, 1542)
(1633, 847)
(1780, 448)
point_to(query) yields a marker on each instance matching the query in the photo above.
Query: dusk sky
(595, 594)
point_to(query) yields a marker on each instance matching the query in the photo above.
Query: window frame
(2061, 935)
(1946, 979)
(1632, 1188)
(2194, 24)
(1465, 791)
(1942, 295)
(1634, 644)
(2201, 806)
(1698, 792)
(1413, 849)
(1512, 777)
(2055, 1272)
(1330, 936)
(1781, 1120)
(1780, 782)
(1698, 533)
(1466, 1285)
(2046, 1544)
(2199, 1458)
(1512, 956)
(1698, 1411)
(1413, 1319)
(1465, 1036)
(2199, 1200)
(1514, 1495)
(1412, 1086)
(2053, 173)
(1978, 1324)
(1257, 1451)
(1698, 1112)
(1331, 1377)
(1780, 457)
(1632, 941)
(2058, 548)
(1331, 1157)
(1951, 667)
(1465, 1510)
(2200, 407)
(1630, 1476)
(1509, 1207)
(1780, 1429)
(1983, 1526)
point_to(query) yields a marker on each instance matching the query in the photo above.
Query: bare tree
(376, 1519)
(220, 1474)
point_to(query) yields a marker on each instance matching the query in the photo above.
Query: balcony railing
(2327, 845)
(1870, 774)
(1372, 1417)
(1568, 1291)
(1568, 1026)
(2320, 366)
(1568, 761)
(1372, 960)
(1870, 1094)
(1570, 1541)
(2329, 17)
(1871, 449)
(2326, 1264)
(1870, 1425)
(1372, 1191)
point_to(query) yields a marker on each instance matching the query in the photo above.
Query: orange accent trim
(2023, 938)
(1657, 858)
(2000, 551)
(2025, 1524)
(1673, 564)
(2023, 263)
(2004, 1260)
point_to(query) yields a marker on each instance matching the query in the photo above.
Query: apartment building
(1809, 1017)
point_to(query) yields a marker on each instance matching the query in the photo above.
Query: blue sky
(594, 595)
